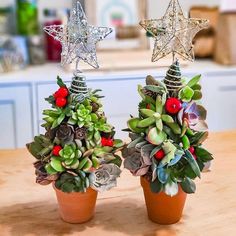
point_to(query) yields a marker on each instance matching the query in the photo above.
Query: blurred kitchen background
(29, 60)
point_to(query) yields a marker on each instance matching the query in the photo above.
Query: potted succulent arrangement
(166, 144)
(77, 154)
(166, 138)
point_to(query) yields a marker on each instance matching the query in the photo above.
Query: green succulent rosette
(167, 137)
(79, 144)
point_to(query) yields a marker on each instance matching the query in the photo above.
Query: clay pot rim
(89, 191)
(143, 179)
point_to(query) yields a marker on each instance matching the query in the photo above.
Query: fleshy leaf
(56, 164)
(174, 127)
(156, 137)
(162, 175)
(146, 122)
(171, 189)
(167, 119)
(192, 162)
(186, 94)
(175, 160)
(159, 106)
(195, 80)
(133, 125)
(147, 112)
(197, 95)
(159, 125)
(188, 186)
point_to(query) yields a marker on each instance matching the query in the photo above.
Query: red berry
(104, 142)
(61, 102)
(63, 92)
(160, 154)
(56, 95)
(192, 149)
(56, 150)
(173, 105)
(110, 142)
(148, 106)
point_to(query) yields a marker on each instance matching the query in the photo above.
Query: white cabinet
(16, 126)
(219, 99)
(22, 99)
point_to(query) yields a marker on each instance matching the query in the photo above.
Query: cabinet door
(219, 99)
(15, 116)
(121, 100)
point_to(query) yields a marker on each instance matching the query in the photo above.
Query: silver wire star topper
(174, 33)
(78, 38)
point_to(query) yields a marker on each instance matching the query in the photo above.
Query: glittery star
(78, 38)
(174, 33)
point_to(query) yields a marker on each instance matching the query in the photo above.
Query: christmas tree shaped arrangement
(166, 138)
(78, 152)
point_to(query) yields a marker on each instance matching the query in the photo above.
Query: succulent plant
(167, 136)
(65, 133)
(41, 147)
(104, 178)
(191, 91)
(42, 177)
(81, 133)
(194, 115)
(137, 164)
(73, 147)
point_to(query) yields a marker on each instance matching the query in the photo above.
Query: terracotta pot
(76, 207)
(161, 208)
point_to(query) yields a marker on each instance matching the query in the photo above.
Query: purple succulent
(195, 115)
(138, 163)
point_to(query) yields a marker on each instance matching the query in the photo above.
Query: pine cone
(79, 86)
(81, 133)
(95, 106)
(173, 79)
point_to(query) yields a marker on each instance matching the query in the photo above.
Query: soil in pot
(161, 208)
(76, 208)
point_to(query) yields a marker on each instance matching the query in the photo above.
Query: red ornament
(192, 149)
(107, 142)
(160, 154)
(173, 105)
(104, 142)
(110, 142)
(63, 92)
(56, 150)
(148, 106)
(61, 102)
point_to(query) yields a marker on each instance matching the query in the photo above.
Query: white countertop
(49, 71)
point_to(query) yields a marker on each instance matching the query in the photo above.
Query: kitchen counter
(29, 209)
(115, 65)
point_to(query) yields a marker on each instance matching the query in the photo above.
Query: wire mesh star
(78, 38)
(174, 33)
